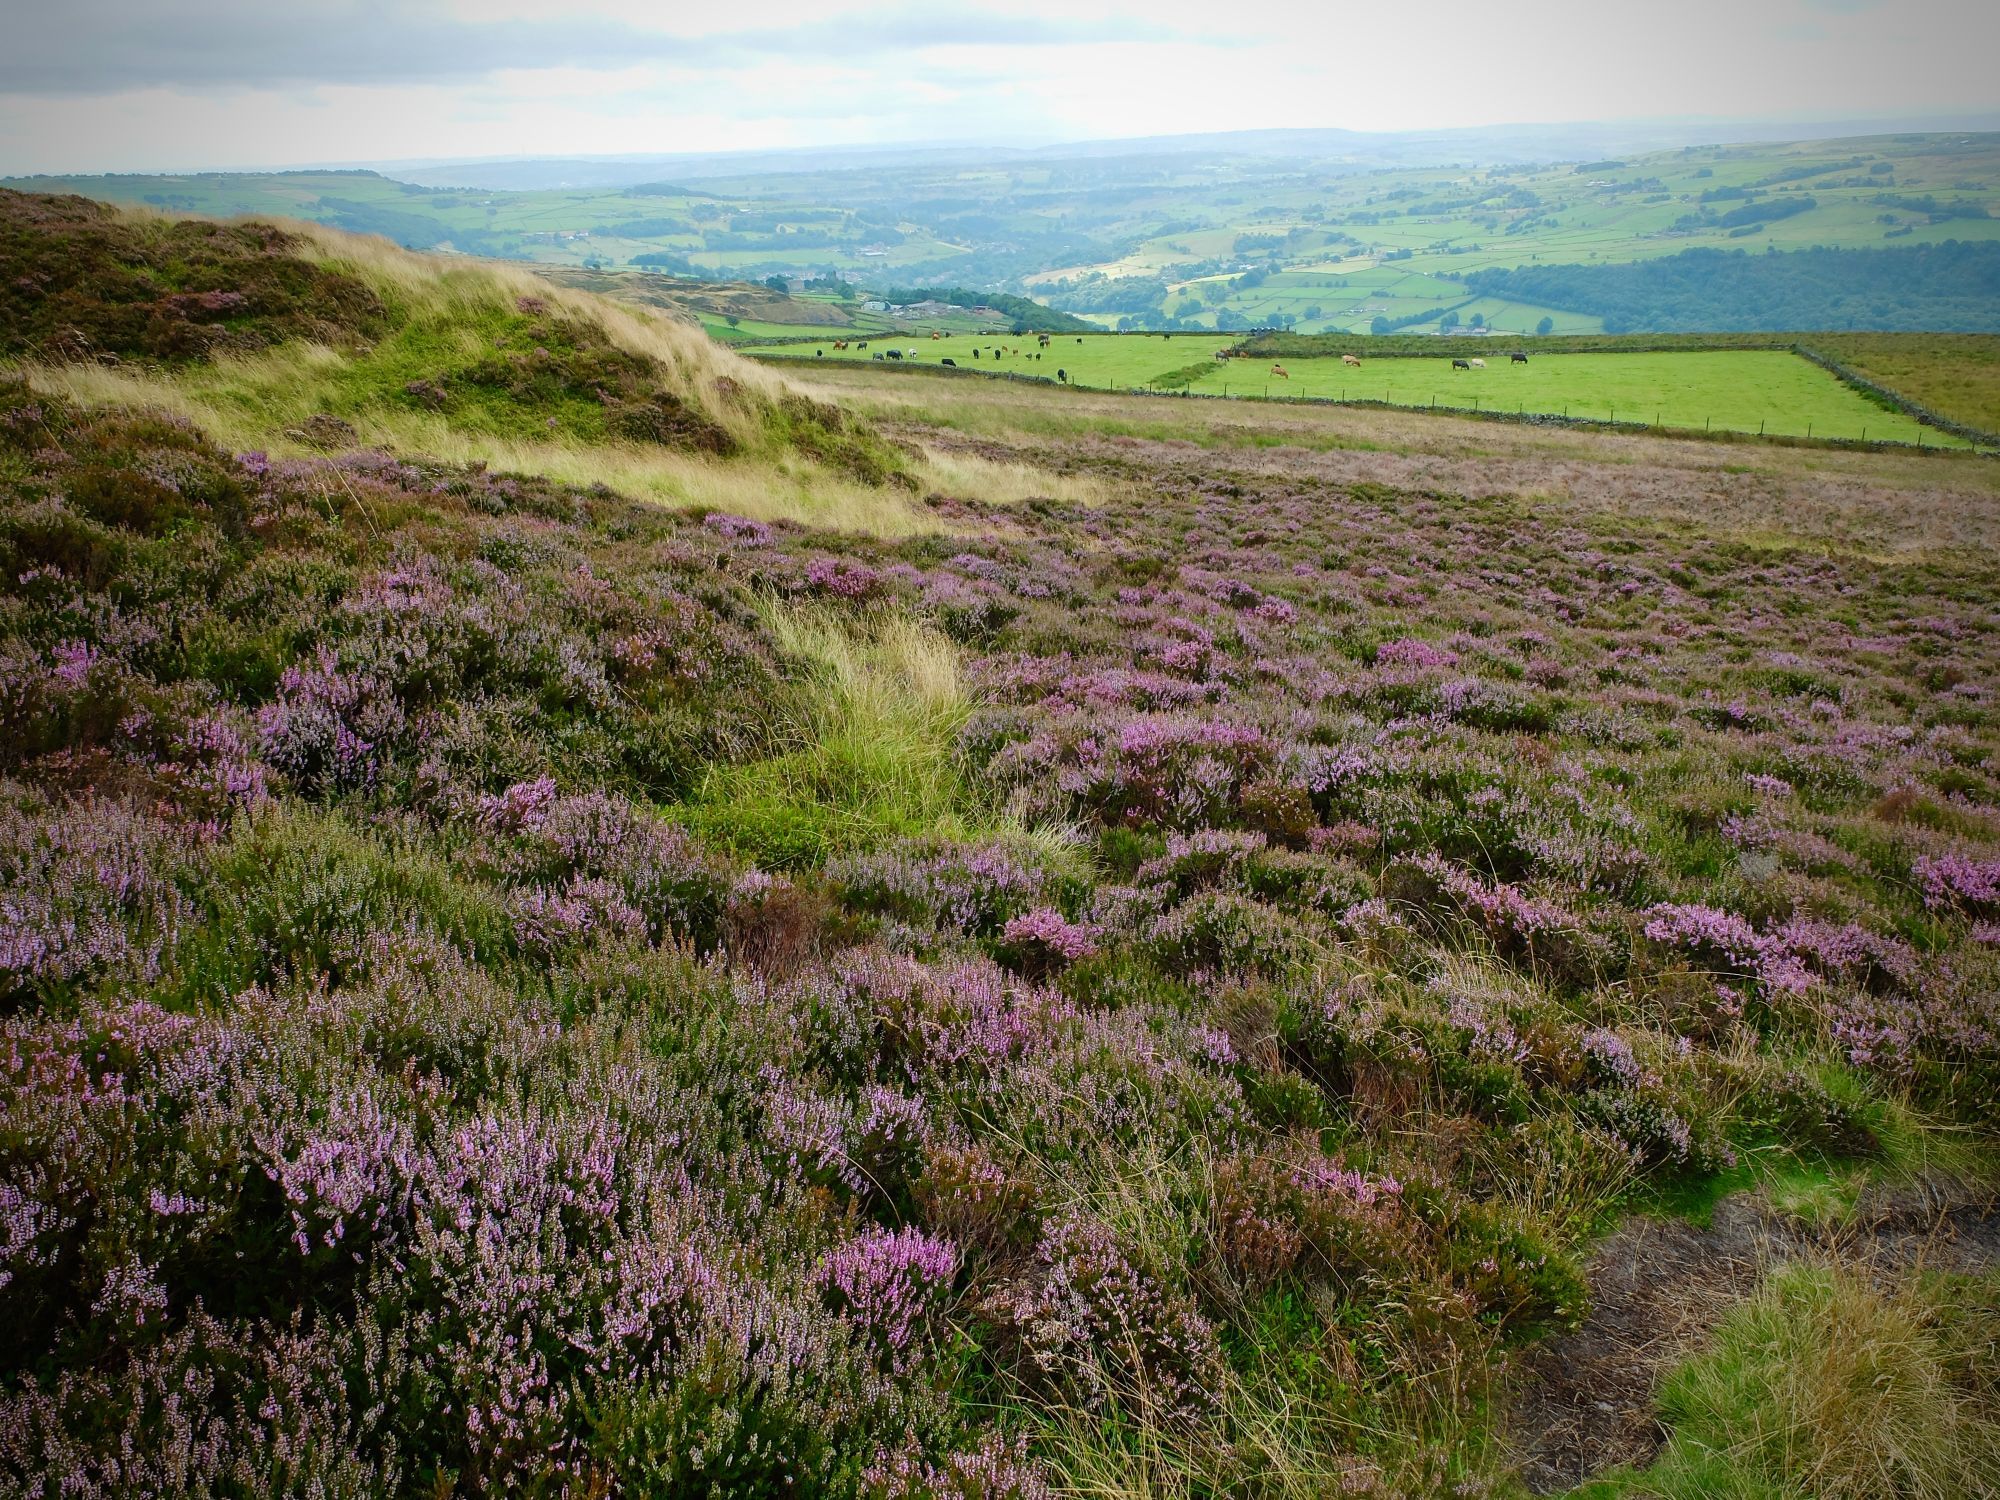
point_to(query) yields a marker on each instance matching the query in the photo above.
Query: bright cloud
(166, 84)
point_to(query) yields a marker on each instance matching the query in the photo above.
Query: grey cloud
(107, 46)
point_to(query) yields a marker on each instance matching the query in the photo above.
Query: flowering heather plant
(841, 578)
(1044, 937)
(891, 1285)
(1957, 881)
(965, 889)
(1092, 1321)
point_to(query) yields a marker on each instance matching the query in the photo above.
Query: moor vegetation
(1140, 981)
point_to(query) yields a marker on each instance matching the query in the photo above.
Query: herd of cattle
(996, 352)
(1000, 351)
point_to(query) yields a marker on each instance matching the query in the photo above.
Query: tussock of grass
(875, 711)
(1826, 1385)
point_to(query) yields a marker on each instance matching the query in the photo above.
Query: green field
(1727, 390)
(1109, 361)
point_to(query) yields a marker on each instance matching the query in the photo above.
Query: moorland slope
(1139, 959)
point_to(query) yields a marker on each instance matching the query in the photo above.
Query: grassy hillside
(1144, 966)
(471, 361)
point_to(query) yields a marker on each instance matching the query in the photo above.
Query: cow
(842, 344)
(1459, 364)
(1479, 364)
(819, 354)
(893, 354)
(862, 345)
(975, 354)
(1280, 372)
(876, 357)
(952, 362)
(1063, 375)
(935, 334)
(1351, 360)
(1079, 341)
(1042, 342)
(1519, 358)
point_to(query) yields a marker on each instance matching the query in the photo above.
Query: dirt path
(1583, 1403)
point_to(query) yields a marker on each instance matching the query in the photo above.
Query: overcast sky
(150, 85)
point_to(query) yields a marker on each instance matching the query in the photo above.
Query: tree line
(1948, 287)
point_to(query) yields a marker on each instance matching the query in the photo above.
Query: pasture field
(1104, 361)
(1734, 390)
(1727, 390)
(1954, 374)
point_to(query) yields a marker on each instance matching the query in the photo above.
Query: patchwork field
(1211, 238)
(1730, 390)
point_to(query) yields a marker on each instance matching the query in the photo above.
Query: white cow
(1479, 364)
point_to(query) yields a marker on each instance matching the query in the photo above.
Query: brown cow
(1280, 372)
(1349, 359)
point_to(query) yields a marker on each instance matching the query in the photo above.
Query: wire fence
(1983, 444)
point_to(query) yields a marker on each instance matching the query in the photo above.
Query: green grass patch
(874, 715)
(1826, 1385)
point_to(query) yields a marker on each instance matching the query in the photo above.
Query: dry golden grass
(255, 401)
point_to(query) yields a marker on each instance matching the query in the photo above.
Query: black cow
(952, 362)
(819, 354)
(895, 354)
(1079, 341)
(1459, 364)
(1063, 376)
(862, 345)
(1520, 358)
(876, 357)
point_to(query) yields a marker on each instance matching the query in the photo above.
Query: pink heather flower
(1723, 939)
(890, 1284)
(74, 659)
(523, 807)
(739, 529)
(842, 579)
(1612, 1054)
(1047, 929)
(1413, 653)
(1950, 880)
